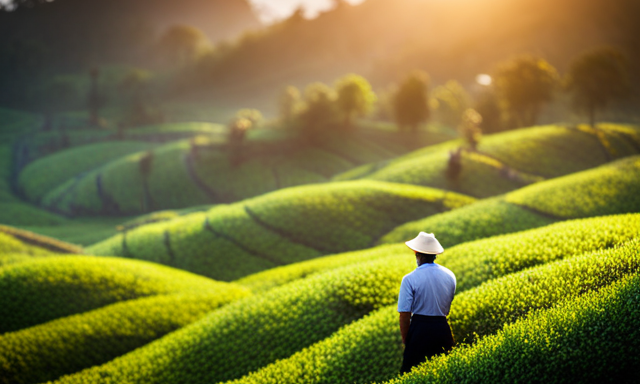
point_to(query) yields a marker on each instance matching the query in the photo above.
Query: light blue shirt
(428, 290)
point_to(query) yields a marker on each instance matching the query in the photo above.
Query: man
(427, 293)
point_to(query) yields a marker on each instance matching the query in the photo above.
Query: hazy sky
(277, 9)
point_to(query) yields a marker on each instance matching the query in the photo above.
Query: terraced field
(507, 161)
(606, 190)
(295, 224)
(90, 310)
(254, 332)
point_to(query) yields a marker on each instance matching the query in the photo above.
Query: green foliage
(606, 190)
(530, 154)
(452, 100)
(596, 79)
(355, 97)
(43, 242)
(523, 85)
(49, 288)
(16, 123)
(482, 260)
(319, 110)
(593, 338)
(47, 173)
(370, 349)
(248, 334)
(288, 104)
(11, 245)
(296, 224)
(182, 45)
(411, 101)
(70, 344)
(485, 218)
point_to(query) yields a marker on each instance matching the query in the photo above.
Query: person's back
(424, 302)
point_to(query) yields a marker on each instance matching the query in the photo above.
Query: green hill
(251, 333)
(52, 287)
(606, 190)
(194, 172)
(573, 341)
(295, 224)
(370, 349)
(510, 160)
(70, 344)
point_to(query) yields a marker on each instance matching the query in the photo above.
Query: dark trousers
(428, 336)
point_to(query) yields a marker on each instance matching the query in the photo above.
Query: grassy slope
(532, 154)
(370, 349)
(238, 339)
(606, 190)
(181, 178)
(45, 174)
(70, 344)
(295, 224)
(574, 341)
(49, 288)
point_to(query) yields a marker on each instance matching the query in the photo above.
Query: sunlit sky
(270, 10)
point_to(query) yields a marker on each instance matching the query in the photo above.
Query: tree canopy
(523, 85)
(355, 97)
(411, 102)
(596, 79)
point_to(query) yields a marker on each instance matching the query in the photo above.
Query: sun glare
(483, 79)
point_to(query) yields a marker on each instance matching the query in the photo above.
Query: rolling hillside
(223, 345)
(295, 224)
(606, 190)
(510, 160)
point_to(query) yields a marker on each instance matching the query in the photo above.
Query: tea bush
(251, 333)
(370, 349)
(594, 338)
(48, 288)
(46, 173)
(606, 190)
(296, 224)
(70, 344)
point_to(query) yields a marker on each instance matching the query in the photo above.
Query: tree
(319, 111)
(452, 100)
(145, 165)
(253, 115)
(183, 44)
(470, 128)
(488, 107)
(596, 79)
(523, 85)
(288, 103)
(57, 95)
(355, 97)
(135, 87)
(411, 102)
(95, 99)
(238, 128)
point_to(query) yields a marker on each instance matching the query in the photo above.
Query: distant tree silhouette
(182, 44)
(523, 85)
(146, 165)
(470, 128)
(487, 105)
(355, 97)
(454, 165)
(411, 102)
(288, 103)
(253, 115)
(238, 128)
(319, 111)
(452, 100)
(134, 88)
(596, 79)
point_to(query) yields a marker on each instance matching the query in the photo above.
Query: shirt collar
(425, 265)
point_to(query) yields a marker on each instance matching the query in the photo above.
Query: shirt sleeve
(405, 299)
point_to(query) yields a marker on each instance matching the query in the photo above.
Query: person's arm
(405, 322)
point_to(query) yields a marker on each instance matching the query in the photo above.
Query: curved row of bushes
(287, 226)
(52, 287)
(370, 349)
(594, 338)
(70, 344)
(607, 190)
(254, 332)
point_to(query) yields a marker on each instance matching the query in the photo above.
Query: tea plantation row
(594, 338)
(370, 349)
(546, 151)
(287, 226)
(251, 333)
(606, 190)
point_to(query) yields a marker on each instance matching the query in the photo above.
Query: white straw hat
(425, 243)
